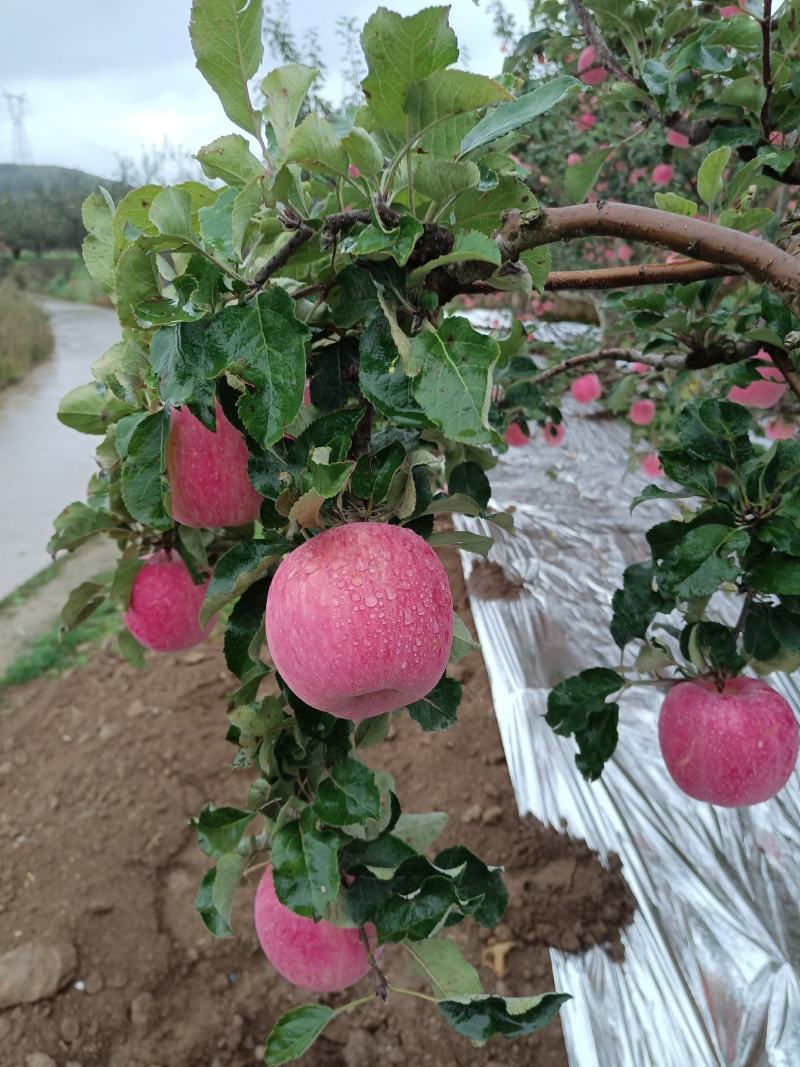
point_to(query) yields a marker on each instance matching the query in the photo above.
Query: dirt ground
(100, 770)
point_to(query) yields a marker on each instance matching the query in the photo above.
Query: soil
(488, 581)
(100, 770)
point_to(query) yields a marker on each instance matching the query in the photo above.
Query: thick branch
(641, 274)
(716, 355)
(302, 234)
(761, 260)
(604, 54)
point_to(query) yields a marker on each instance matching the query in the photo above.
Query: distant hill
(27, 180)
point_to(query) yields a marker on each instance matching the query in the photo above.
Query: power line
(17, 104)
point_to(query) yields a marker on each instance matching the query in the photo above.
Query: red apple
(586, 388)
(515, 436)
(677, 139)
(761, 394)
(662, 174)
(780, 430)
(553, 433)
(207, 473)
(360, 619)
(165, 604)
(651, 465)
(642, 412)
(313, 955)
(731, 748)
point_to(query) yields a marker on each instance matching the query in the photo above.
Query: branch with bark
(640, 274)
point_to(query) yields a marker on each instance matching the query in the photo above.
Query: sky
(105, 78)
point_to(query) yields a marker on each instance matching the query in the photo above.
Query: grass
(25, 591)
(58, 274)
(25, 335)
(53, 652)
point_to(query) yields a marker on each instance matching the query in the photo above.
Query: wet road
(44, 465)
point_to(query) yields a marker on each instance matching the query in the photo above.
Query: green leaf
(349, 795)
(469, 479)
(441, 179)
(131, 650)
(219, 830)
(381, 377)
(433, 104)
(295, 1032)
(400, 51)
(81, 603)
(372, 731)
(76, 524)
(481, 1017)
(304, 867)
(709, 177)
(373, 474)
(777, 574)
(471, 245)
(122, 369)
(438, 709)
(230, 159)
(636, 604)
(238, 568)
(142, 480)
(581, 177)
(373, 241)
(444, 968)
(329, 479)
(463, 642)
(363, 151)
(136, 281)
(483, 210)
(214, 898)
(479, 887)
(678, 205)
(419, 916)
(264, 343)
(245, 626)
(420, 831)
(573, 701)
(452, 504)
(520, 112)
(466, 540)
(171, 214)
(454, 376)
(97, 213)
(781, 533)
(89, 409)
(285, 89)
(695, 566)
(187, 366)
(539, 264)
(314, 144)
(226, 39)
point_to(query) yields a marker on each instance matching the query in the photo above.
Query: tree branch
(302, 234)
(692, 237)
(713, 356)
(641, 274)
(604, 54)
(787, 369)
(766, 67)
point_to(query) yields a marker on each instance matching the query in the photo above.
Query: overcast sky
(108, 77)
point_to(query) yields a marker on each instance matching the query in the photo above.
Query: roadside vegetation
(25, 335)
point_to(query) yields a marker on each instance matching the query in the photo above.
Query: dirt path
(99, 772)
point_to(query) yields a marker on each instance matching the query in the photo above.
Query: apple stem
(381, 984)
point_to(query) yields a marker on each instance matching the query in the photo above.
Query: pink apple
(642, 412)
(677, 139)
(594, 76)
(207, 473)
(553, 433)
(515, 436)
(586, 58)
(731, 748)
(307, 393)
(587, 120)
(313, 955)
(353, 171)
(360, 619)
(573, 158)
(776, 137)
(779, 430)
(641, 368)
(662, 174)
(730, 11)
(761, 394)
(624, 253)
(163, 611)
(651, 465)
(586, 388)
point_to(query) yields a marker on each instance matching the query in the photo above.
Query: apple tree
(296, 398)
